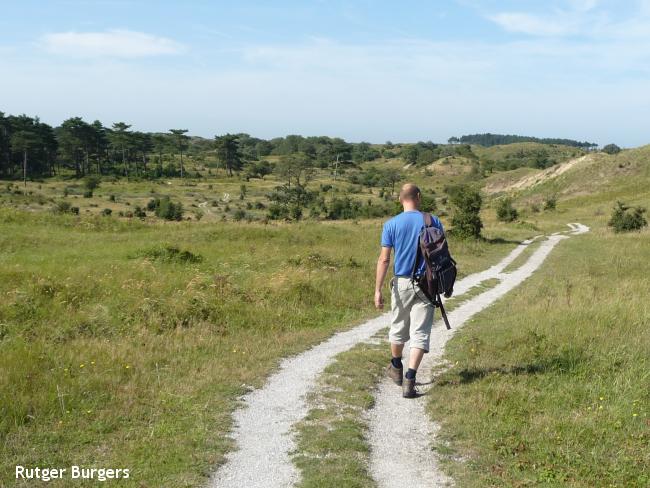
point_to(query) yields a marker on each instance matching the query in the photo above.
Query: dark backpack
(440, 268)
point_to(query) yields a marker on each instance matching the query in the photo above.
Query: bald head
(409, 193)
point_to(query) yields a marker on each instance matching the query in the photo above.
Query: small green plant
(168, 254)
(466, 220)
(550, 203)
(92, 183)
(107, 212)
(506, 212)
(296, 212)
(139, 212)
(62, 206)
(239, 215)
(164, 208)
(88, 194)
(626, 219)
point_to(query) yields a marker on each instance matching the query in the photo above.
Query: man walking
(411, 312)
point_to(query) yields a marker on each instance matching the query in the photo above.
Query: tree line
(30, 148)
(488, 140)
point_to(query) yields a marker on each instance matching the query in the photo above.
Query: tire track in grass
(395, 421)
(263, 425)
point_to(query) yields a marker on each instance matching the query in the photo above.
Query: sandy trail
(395, 421)
(263, 424)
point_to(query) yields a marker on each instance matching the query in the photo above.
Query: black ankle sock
(397, 363)
(410, 374)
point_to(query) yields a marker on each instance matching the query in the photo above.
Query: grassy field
(126, 343)
(550, 387)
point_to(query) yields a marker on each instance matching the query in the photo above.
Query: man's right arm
(382, 269)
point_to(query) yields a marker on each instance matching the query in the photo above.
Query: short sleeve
(387, 238)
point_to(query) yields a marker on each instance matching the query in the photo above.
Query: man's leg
(421, 322)
(415, 357)
(398, 334)
(396, 350)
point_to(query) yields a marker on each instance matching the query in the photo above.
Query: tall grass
(115, 352)
(551, 387)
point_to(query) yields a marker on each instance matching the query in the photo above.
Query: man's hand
(379, 300)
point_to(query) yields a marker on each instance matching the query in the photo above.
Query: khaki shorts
(411, 314)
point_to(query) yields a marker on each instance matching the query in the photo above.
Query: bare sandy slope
(537, 178)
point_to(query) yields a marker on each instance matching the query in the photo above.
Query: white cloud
(583, 5)
(111, 43)
(532, 24)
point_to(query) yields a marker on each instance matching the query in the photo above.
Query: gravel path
(395, 421)
(263, 424)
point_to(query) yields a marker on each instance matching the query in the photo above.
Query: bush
(466, 221)
(164, 208)
(107, 212)
(239, 214)
(505, 211)
(428, 203)
(277, 211)
(88, 194)
(627, 219)
(168, 254)
(62, 207)
(342, 208)
(550, 203)
(92, 182)
(139, 212)
(611, 149)
(296, 212)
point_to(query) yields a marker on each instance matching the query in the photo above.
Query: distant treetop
(488, 140)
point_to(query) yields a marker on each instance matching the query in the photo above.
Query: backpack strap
(427, 223)
(443, 313)
(415, 261)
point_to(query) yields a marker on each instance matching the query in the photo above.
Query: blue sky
(362, 70)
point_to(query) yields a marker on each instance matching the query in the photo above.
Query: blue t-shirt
(402, 233)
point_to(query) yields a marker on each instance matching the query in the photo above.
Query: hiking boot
(395, 374)
(408, 388)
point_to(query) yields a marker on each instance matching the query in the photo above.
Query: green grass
(331, 441)
(149, 355)
(126, 343)
(551, 387)
(114, 332)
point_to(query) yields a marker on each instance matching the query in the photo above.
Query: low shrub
(164, 208)
(550, 203)
(505, 211)
(627, 219)
(168, 254)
